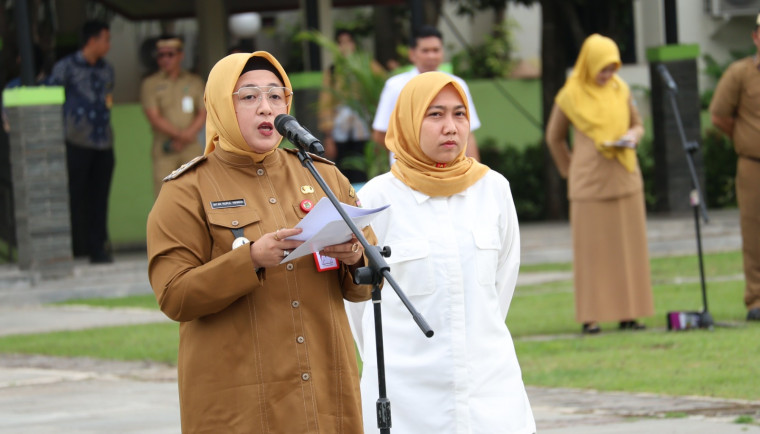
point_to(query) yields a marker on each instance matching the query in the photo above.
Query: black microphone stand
(372, 274)
(697, 204)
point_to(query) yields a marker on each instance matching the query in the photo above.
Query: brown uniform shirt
(590, 175)
(738, 96)
(266, 353)
(178, 101)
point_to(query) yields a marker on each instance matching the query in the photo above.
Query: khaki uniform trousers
(748, 197)
(164, 164)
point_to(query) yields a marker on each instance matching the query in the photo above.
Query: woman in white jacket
(455, 243)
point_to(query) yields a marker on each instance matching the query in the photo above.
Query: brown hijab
(412, 166)
(221, 121)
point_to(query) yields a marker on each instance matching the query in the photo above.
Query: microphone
(289, 127)
(666, 78)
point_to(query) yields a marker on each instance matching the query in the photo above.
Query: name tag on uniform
(234, 203)
(187, 104)
(325, 263)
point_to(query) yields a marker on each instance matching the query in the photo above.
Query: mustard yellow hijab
(600, 112)
(221, 121)
(412, 166)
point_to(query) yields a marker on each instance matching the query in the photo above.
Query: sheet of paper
(323, 226)
(620, 144)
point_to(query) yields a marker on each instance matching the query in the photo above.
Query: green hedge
(523, 167)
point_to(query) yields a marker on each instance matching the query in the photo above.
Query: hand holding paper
(323, 226)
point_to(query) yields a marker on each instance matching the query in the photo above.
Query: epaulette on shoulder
(315, 157)
(183, 168)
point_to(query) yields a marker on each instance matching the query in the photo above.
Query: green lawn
(551, 350)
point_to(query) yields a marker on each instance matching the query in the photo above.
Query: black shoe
(631, 325)
(591, 328)
(753, 314)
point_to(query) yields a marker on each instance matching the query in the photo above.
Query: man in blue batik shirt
(88, 81)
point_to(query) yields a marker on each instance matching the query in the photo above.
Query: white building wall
(715, 35)
(527, 31)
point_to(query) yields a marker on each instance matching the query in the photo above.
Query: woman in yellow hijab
(605, 189)
(455, 242)
(265, 346)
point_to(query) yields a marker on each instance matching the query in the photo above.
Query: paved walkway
(45, 395)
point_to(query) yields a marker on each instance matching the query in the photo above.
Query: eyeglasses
(276, 96)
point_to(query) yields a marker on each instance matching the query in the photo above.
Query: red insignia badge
(306, 205)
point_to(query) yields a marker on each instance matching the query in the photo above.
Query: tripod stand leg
(705, 320)
(383, 405)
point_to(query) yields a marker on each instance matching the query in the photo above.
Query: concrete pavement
(45, 394)
(49, 395)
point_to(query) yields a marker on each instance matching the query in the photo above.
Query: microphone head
(280, 121)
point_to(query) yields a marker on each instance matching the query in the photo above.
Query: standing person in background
(455, 239)
(264, 347)
(735, 110)
(346, 132)
(605, 189)
(426, 54)
(172, 100)
(88, 81)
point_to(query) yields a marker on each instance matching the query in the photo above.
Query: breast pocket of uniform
(410, 262)
(487, 247)
(225, 226)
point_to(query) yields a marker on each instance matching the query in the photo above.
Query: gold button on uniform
(260, 172)
(289, 267)
(300, 339)
(295, 303)
(305, 376)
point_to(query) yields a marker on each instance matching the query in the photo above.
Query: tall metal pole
(312, 23)
(24, 35)
(671, 22)
(418, 15)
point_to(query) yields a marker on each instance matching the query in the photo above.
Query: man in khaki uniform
(735, 110)
(172, 99)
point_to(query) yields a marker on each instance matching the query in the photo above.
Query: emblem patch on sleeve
(183, 168)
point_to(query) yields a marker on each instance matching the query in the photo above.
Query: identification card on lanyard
(187, 104)
(325, 263)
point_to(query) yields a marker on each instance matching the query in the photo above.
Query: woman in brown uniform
(263, 347)
(605, 189)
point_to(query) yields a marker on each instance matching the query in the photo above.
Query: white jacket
(457, 259)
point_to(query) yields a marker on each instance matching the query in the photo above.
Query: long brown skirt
(611, 259)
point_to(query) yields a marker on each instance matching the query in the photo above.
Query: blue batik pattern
(86, 111)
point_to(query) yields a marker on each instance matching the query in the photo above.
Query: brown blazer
(590, 175)
(266, 353)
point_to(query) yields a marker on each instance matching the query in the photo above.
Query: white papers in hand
(323, 226)
(622, 143)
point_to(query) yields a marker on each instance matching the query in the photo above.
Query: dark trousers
(90, 173)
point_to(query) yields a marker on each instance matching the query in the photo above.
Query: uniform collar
(237, 160)
(79, 58)
(421, 197)
(164, 74)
